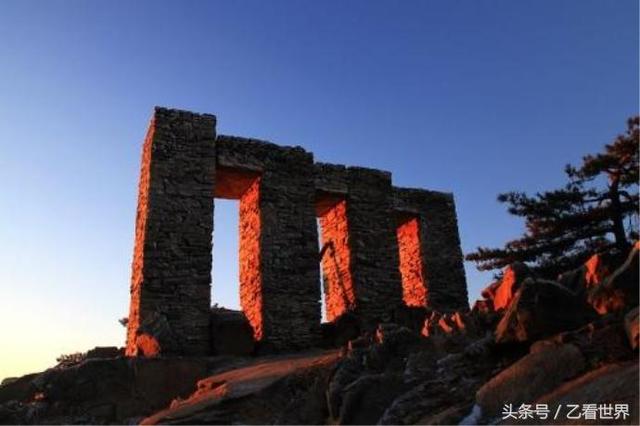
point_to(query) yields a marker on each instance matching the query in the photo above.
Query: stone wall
(372, 244)
(250, 258)
(368, 241)
(443, 274)
(414, 286)
(288, 245)
(171, 274)
(336, 260)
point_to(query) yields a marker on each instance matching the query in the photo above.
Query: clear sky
(472, 97)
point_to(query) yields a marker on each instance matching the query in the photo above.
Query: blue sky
(472, 97)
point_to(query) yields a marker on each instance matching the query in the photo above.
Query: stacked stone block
(170, 286)
(288, 245)
(414, 286)
(444, 274)
(373, 234)
(336, 260)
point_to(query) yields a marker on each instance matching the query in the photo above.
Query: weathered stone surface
(17, 388)
(610, 384)
(602, 341)
(498, 295)
(99, 391)
(512, 279)
(231, 333)
(339, 291)
(365, 400)
(374, 247)
(619, 291)
(104, 352)
(456, 322)
(257, 394)
(530, 378)
(172, 255)
(632, 327)
(280, 288)
(443, 270)
(281, 192)
(541, 308)
(343, 329)
(155, 336)
(414, 286)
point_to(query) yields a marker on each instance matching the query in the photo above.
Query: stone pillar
(283, 300)
(443, 273)
(370, 258)
(374, 247)
(171, 272)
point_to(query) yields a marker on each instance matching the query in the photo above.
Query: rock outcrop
(539, 309)
(531, 341)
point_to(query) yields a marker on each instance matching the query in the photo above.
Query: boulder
(596, 269)
(400, 341)
(99, 391)
(541, 308)
(489, 292)
(231, 333)
(619, 291)
(499, 294)
(365, 400)
(512, 278)
(448, 323)
(17, 389)
(105, 352)
(346, 372)
(393, 344)
(632, 327)
(601, 341)
(411, 317)
(483, 307)
(154, 336)
(612, 383)
(530, 377)
(574, 280)
(276, 389)
(343, 329)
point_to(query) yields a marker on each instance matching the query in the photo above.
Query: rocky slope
(530, 341)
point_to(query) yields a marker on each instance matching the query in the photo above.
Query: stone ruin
(382, 247)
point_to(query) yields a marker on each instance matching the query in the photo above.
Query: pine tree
(564, 227)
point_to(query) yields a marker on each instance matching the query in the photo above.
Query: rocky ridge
(529, 341)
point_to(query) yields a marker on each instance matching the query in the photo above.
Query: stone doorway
(408, 231)
(244, 186)
(335, 256)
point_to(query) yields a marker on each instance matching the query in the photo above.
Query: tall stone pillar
(279, 278)
(361, 261)
(171, 272)
(441, 256)
(374, 247)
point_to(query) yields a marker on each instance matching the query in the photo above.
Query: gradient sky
(472, 97)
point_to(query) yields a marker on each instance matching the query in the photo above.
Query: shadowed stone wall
(443, 272)
(372, 240)
(336, 259)
(281, 192)
(170, 285)
(289, 314)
